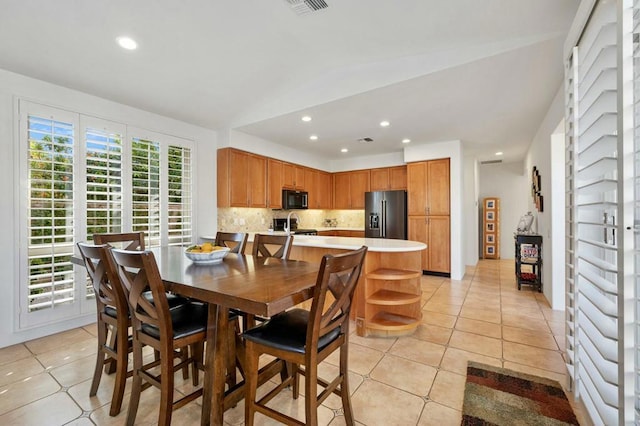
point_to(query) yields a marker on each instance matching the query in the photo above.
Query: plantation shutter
(600, 325)
(180, 199)
(145, 187)
(636, 210)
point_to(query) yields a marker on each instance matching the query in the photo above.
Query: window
(82, 176)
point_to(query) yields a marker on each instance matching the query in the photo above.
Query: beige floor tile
(522, 321)
(80, 393)
(361, 359)
(535, 357)
(479, 327)
(56, 409)
(91, 329)
(372, 400)
(435, 414)
(285, 403)
(66, 354)
(329, 372)
(26, 391)
(13, 353)
(529, 337)
(75, 372)
(19, 370)
(448, 389)
(432, 333)
(481, 314)
(80, 421)
(435, 306)
(59, 340)
(527, 369)
(476, 343)
(558, 327)
(418, 350)
(378, 343)
(404, 374)
(435, 318)
(455, 360)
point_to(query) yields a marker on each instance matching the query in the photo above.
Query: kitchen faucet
(287, 228)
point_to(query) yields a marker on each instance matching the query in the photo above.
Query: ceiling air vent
(491, 162)
(302, 7)
(365, 140)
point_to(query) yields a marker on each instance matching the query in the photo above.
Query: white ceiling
(484, 72)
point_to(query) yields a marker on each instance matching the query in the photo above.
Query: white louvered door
(600, 319)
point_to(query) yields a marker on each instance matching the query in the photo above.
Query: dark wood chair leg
(111, 365)
(197, 353)
(344, 386)
(311, 390)
(100, 358)
(136, 387)
(166, 388)
(121, 363)
(251, 383)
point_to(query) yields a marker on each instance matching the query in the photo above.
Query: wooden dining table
(256, 285)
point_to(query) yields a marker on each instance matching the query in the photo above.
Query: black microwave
(294, 199)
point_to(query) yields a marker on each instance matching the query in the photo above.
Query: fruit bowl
(199, 256)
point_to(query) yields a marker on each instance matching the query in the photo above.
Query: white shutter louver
(145, 164)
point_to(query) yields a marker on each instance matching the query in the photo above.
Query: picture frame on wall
(491, 204)
(490, 238)
(490, 216)
(490, 250)
(490, 227)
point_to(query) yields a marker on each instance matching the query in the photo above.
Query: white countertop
(347, 243)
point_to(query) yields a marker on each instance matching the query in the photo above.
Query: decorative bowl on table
(206, 253)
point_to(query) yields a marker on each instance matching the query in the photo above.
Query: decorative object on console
(524, 225)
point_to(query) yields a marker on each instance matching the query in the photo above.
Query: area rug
(497, 396)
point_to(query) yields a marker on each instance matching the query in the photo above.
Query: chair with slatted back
(166, 330)
(268, 245)
(306, 338)
(112, 315)
(124, 240)
(238, 241)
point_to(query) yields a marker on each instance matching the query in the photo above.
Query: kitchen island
(388, 297)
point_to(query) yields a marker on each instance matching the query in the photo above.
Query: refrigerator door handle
(383, 225)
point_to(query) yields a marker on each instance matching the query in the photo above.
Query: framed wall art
(491, 228)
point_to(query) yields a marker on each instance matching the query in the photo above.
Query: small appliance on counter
(281, 224)
(385, 214)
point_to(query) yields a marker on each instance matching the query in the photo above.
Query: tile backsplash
(235, 219)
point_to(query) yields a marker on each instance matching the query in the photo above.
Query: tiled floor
(417, 380)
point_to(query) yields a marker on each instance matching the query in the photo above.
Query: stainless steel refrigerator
(385, 214)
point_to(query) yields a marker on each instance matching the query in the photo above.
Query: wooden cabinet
(342, 233)
(241, 179)
(349, 189)
(293, 176)
(434, 232)
(428, 184)
(275, 171)
(324, 189)
(389, 178)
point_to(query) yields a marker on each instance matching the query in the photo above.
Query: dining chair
(240, 238)
(135, 241)
(268, 245)
(305, 338)
(112, 316)
(166, 330)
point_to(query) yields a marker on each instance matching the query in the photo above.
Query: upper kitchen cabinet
(428, 187)
(275, 171)
(293, 176)
(389, 178)
(241, 179)
(349, 189)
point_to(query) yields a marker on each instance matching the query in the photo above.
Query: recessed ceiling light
(384, 123)
(313, 137)
(306, 118)
(406, 140)
(127, 43)
(344, 150)
(499, 153)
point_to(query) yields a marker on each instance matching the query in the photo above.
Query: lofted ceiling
(484, 72)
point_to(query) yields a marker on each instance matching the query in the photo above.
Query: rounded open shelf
(390, 297)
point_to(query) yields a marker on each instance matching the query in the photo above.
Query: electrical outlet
(242, 221)
(235, 220)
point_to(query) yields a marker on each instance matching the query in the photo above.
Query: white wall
(471, 205)
(453, 151)
(14, 86)
(508, 182)
(539, 155)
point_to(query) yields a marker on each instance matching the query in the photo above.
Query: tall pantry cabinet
(428, 208)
